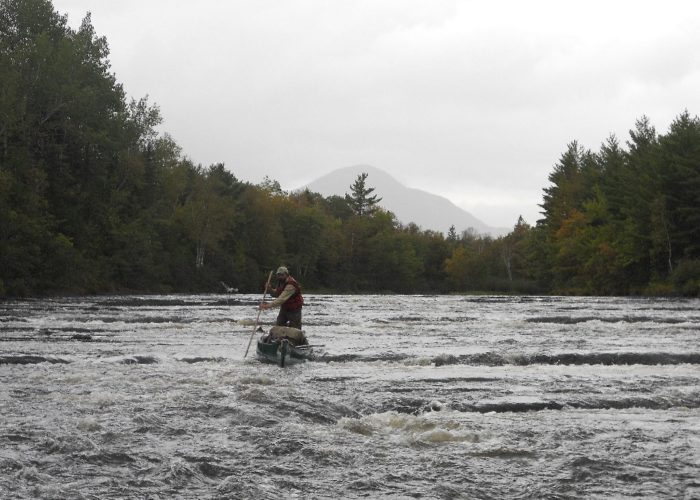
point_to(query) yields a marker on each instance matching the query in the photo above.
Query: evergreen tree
(361, 199)
(568, 189)
(452, 234)
(679, 174)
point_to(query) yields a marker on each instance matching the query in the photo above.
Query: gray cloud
(472, 100)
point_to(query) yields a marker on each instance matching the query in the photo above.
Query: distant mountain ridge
(427, 210)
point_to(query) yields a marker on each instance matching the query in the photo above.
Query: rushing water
(410, 396)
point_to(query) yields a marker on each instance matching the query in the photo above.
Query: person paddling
(288, 298)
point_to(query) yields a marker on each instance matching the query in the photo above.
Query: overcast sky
(472, 100)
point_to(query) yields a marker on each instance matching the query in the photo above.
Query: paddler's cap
(282, 270)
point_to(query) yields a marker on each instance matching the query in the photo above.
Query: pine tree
(362, 201)
(452, 234)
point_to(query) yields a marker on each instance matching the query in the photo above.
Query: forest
(94, 200)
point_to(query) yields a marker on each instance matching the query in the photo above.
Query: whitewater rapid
(407, 397)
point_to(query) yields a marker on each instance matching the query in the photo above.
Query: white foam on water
(431, 396)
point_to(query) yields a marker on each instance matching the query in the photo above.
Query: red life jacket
(296, 300)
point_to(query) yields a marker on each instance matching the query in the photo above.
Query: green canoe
(284, 346)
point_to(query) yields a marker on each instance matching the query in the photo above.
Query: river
(407, 397)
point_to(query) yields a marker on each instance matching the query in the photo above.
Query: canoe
(284, 346)
(282, 352)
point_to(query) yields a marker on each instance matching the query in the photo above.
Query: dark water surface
(410, 397)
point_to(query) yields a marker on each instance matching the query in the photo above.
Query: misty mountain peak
(427, 210)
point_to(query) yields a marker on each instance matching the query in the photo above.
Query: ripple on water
(432, 397)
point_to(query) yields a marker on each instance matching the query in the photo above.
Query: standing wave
(602, 358)
(29, 359)
(502, 359)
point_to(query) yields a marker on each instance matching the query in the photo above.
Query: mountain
(427, 210)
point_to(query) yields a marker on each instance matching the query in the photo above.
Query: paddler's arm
(286, 293)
